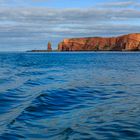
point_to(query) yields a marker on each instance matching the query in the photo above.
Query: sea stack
(129, 42)
(49, 48)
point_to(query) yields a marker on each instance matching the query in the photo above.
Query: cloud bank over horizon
(30, 24)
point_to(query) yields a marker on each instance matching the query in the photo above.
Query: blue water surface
(70, 96)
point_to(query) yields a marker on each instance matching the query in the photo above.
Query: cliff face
(130, 42)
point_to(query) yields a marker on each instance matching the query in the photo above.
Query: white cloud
(117, 4)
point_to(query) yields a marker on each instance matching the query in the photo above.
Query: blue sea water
(70, 96)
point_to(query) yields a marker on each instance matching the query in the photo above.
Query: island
(129, 42)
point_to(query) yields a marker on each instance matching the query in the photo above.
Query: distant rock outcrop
(130, 42)
(49, 48)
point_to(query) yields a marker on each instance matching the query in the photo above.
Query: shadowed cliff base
(129, 42)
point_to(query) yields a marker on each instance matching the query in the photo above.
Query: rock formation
(130, 42)
(49, 48)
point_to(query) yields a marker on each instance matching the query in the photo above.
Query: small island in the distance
(129, 42)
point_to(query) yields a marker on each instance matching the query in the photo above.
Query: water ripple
(69, 96)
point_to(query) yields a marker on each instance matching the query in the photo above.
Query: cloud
(34, 26)
(117, 4)
(65, 16)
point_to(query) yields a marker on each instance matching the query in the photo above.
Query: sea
(70, 96)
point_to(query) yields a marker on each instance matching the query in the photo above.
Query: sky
(30, 24)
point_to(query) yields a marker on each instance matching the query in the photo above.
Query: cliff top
(131, 34)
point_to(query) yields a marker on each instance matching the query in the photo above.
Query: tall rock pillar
(49, 48)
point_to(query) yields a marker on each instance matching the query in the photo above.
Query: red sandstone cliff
(130, 42)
